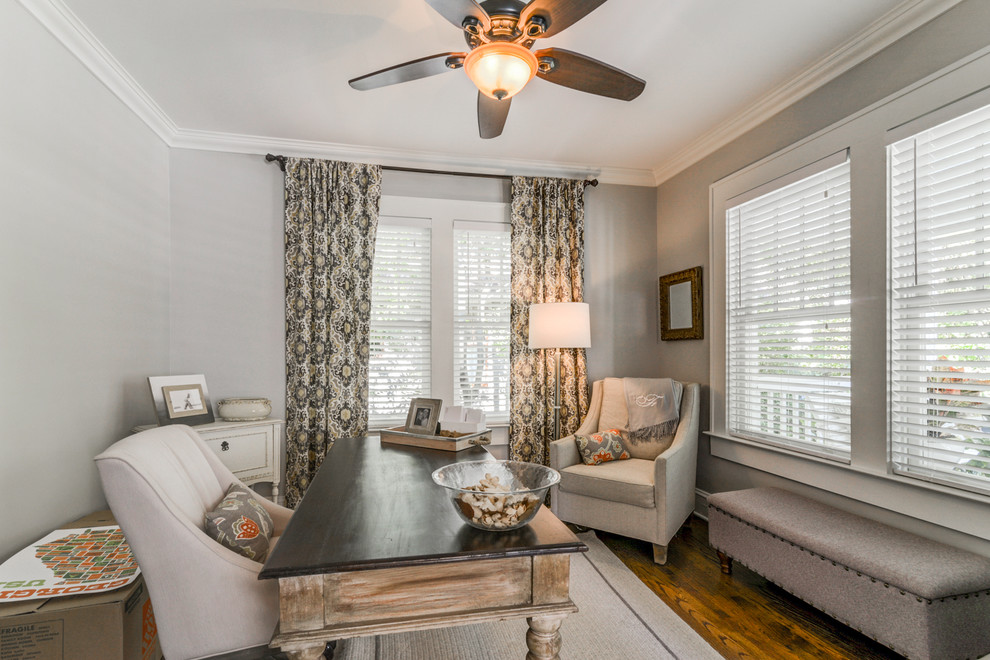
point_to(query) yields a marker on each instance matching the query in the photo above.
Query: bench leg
(726, 562)
(659, 554)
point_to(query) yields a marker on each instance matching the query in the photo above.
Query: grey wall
(436, 186)
(227, 283)
(683, 212)
(84, 269)
(227, 318)
(620, 281)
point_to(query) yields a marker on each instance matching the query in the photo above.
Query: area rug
(618, 618)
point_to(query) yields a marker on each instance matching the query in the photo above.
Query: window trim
(441, 215)
(776, 171)
(977, 101)
(777, 182)
(868, 478)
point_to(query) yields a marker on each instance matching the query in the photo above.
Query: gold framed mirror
(679, 305)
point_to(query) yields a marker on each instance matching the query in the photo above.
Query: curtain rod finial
(279, 159)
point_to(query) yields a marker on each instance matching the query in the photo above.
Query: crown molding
(895, 24)
(59, 20)
(66, 27)
(81, 43)
(254, 144)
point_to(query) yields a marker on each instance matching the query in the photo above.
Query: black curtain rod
(281, 164)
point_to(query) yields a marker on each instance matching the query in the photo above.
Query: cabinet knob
(224, 446)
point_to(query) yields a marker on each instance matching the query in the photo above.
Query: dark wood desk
(376, 547)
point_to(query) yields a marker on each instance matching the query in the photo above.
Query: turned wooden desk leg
(308, 653)
(726, 562)
(543, 637)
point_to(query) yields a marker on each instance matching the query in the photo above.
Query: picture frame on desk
(423, 416)
(181, 399)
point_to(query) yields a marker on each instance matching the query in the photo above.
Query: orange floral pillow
(241, 523)
(601, 447)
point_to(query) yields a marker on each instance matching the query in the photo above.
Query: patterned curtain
(547, 266)
(331, 217)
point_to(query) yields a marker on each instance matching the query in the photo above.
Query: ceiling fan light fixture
(500, 69)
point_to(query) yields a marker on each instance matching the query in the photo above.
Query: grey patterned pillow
(240, 523)
(601, 447)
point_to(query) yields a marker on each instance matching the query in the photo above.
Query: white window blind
(939, 195)
(788, 314)
(481, 319)
(400, 361)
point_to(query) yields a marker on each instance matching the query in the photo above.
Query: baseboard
(701, 503)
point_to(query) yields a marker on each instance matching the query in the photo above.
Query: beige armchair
(639, 498)
(207, 599)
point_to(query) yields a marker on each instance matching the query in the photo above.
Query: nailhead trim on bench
(927, 601)
(818, 607)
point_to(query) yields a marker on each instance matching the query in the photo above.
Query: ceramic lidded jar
(244, 409)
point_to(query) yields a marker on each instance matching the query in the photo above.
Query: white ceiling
(277, 70)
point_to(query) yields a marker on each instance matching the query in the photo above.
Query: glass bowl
(496, 495)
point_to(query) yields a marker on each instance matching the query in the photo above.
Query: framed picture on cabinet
(181, 399)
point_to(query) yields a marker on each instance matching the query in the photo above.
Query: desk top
(374, 505)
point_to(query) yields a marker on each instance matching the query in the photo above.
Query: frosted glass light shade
(559, 325)
(500, 69)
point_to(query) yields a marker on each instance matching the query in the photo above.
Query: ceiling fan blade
(560, 14)
(491, 115)
(400, 73)
(588, 75)
(456, 11)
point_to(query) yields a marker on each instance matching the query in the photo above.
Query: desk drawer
(245, 454)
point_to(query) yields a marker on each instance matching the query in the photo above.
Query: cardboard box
(114, 625)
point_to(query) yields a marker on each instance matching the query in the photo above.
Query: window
(914, 414)
(788, 311)
(481, 318)
(400, 368)
(939, 371)
(440, 308)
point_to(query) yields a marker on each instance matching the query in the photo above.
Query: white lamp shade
(559, 325)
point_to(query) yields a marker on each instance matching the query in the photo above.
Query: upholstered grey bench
(921, 598)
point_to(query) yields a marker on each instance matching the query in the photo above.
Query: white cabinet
(251, 450)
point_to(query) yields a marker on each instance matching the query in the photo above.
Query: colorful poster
(69, 561)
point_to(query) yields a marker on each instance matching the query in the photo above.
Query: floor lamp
(559, 325)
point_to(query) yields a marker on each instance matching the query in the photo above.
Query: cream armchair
(207, 599)
(642, 499)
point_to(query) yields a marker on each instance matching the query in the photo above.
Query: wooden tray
(399, 436)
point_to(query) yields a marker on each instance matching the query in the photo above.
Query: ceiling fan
(500, 34)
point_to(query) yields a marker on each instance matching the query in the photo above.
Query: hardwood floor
(741, 615)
